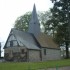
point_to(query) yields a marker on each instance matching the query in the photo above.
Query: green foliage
(33, 65)
(61, 34)
(61, 16)
(22, 22)
(43, 18)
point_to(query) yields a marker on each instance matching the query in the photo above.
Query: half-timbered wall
(13, 39)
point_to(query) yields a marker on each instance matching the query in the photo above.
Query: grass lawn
(33, 65)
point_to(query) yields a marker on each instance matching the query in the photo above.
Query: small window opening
(44, 51)
(11, 43)
(22, 51)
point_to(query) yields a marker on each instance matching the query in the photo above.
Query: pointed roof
(34, 26)
(24, 39)
(34, 13)
(46, 41)
(29, 41)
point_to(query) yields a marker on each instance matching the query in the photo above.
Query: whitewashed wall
(51, 54)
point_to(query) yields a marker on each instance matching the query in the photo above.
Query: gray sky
(11, 9)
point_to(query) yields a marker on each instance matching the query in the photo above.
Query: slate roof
(24, 39)
(33, 42)
(27, 39)
(46, 41)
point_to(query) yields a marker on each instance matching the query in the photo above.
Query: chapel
(32, 45)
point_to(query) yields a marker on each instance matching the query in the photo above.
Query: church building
(32, 45)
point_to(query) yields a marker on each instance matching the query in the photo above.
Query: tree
(43, 18)
(22, 22)
(60, 18)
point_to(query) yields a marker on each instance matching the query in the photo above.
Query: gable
(11, 37)
(11, 41)
(21, 38)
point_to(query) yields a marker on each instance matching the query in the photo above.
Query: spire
(34, 26)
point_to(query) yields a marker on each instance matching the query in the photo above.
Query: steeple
(34, 26)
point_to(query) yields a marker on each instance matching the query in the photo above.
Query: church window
(11, 43)
(44, 51)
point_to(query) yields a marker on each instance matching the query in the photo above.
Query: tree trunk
(67, 51)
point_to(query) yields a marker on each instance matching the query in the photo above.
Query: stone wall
(51, 54)
(15, 54)
(34, 55)
(14, 49)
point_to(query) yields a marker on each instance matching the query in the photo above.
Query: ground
(63, 64)
(61, 68)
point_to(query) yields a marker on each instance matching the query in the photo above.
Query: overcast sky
(11, 9)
